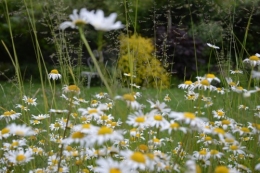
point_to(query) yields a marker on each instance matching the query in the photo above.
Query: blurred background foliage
(179, 30)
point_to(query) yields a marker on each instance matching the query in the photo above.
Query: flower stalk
(95, 61)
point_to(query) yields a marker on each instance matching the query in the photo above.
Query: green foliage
(148, 70)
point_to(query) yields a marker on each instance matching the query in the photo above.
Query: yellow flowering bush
(147, 69)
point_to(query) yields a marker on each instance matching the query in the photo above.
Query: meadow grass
(210, 124)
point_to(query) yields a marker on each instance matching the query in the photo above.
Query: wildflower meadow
(139, 117)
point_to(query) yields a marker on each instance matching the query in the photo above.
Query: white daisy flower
(54, 75)
(104, 134)
(23, 108)
(18, 157)
(161, 107)
(4, 133)
(186, 85)
(101, 95)
(100, 22)
(9, 115)
(220, 90)
(77, 19)
(167, 98)
(188, 118)
(93, 112)
(252, 60)
(203, 83)
(15, 144)
(30, 101)
(20, 130)
(80, 100)
(58, 111)
(218, 113)
(191, 95)
(238, 89)
(138, 119)
(212, 46)
(235, 148)
(210, 77)
(173, 125)
(129, 75)
(71, 89)
(156, 119)
(108, 165)
(130, 101)
(134, 85)
(135, 160)
(236, 71)
(40, 116)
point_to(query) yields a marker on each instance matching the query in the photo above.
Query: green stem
(136, 12)
(209, 60)
(250, 78)
(95, 61)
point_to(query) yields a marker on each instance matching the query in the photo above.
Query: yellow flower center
(189, 115)
(85, 170)
(78, 162)
(79, 22)
(104, 117)
(219, 89)
(233, 147)
(5, 130)
(140, 119)
(57, 125)
(54, 71)
(219, 131)
(92, 111)
(69, 148)
(205, 82)
(214, 152)
(188, 82)
(221, 169)
(9, 113)
(253, 58)
(220, 113)
(15, 144)
(158, 117)
(19, 133)
(114, 170)
(232, 83)
(54, 161)
(94, 101)
(208, 138)
(30, 100)
(203, 152)
(239, 88)
(78, 135)
(210, 75)
(39, 171)
(229, 140)
(174, 125)
(245, 129)
(143, 147)
(105, 130)
(129, 97)
(73, 88)
(156, 140)
(226, 122)
(20, 157)
(138, 157)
